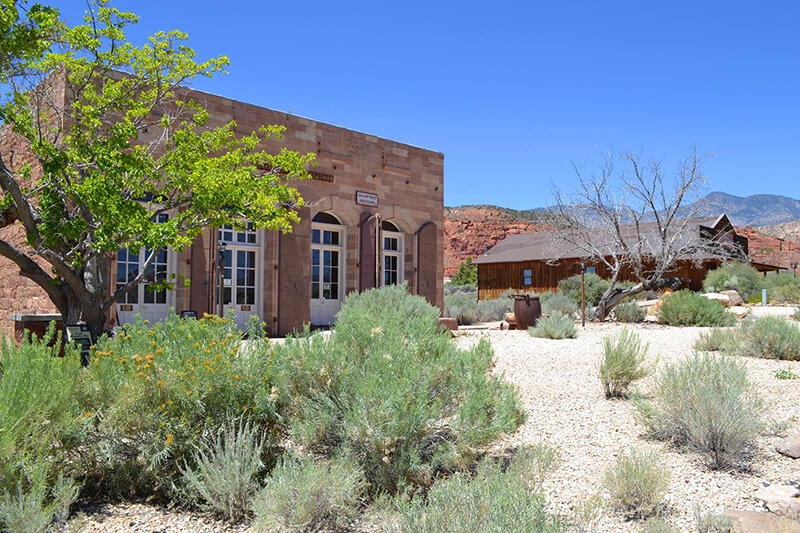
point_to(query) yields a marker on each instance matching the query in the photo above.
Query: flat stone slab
(755, 522)
(790, 446)
(780, 499)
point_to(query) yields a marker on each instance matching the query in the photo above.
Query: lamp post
(221, 246)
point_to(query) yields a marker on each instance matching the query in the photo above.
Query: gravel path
(560, 388)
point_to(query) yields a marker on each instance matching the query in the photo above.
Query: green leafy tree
(467, 274)
(101, 138)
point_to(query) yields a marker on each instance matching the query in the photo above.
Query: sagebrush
(769, 337)
(560, 304)
(368, 390)
(714, 340)
(494, 500)
(688, 308)
(637, 483)
(735, 275)
(629, 312)
(706, 403)
(306, 494)
(624, 361)
(554, 326)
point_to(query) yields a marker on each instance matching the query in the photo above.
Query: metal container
(527, 310)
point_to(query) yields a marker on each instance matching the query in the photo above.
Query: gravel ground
(560, 388)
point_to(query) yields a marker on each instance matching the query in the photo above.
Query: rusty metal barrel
(527, 310)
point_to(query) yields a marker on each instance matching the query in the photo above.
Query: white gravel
(561, 391)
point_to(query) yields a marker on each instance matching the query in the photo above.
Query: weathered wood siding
(495, 278)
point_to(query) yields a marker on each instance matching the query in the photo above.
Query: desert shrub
(224, 477)
(586, 514)
(467, 309)
(555, 326)
(623, 362)
(786, 373)
(687, 308)
(637, 484)
(629, 312)
(708, 522)
(594, 285)
(740, 277)
(43, 424)
(796, 315)
(467, 274)
(303, 494)
(534, 464)
(158, 391)
(713, 340)
(784, 294)
(769, 337)
(35, 509)
(391, 390)
(493, 501)
(706, 403)
(754, 299)
(559, 304)
(656, 524)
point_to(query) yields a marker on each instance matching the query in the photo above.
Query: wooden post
(583, 295)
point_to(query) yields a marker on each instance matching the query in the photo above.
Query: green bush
(796, 315)
(595, 286)
(706, 403)
(740, 277)
(629, 312)
(559, 304)
(43, 425)
(714, 340)
(769, 337)
(623, 362)
(225, 477)
(782, 287)
(302, 494)
(156, 392)
(467, 309)
(493, 501)
(708, 522)
(637, 484)
(555, 326)
(467, 274)
(391, 390)
(656, 524)
(687, 308)
(784, 294)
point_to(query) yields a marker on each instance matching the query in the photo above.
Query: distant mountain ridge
(755, 210)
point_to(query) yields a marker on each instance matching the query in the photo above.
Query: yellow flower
(170, 439)
(89, 414)
(188, 393)
(160, 382)
(169, 402)
(159, 351)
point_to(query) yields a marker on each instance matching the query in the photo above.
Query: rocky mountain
(471, 230)
(755, 210)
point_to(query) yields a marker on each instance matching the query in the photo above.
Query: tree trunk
(614, 297)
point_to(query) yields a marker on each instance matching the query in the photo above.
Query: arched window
(392, 253)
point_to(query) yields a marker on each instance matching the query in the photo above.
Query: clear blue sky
(512, 92)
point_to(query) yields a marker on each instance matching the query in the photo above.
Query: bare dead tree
(638, 223)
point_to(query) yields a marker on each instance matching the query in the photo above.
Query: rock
(718, 297)
(780, 499)
(755, 522)
(511, 320)
(733, 298)
(449, 323)
(790, 446)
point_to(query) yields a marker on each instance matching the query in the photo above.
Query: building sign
(321, 176)
(366, 198)
(81, 336)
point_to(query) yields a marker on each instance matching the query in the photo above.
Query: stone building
(373, 216)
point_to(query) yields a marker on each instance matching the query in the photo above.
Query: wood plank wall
(496, 278)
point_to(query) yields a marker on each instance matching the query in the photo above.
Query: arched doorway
(327, 268)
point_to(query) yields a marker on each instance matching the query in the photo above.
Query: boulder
(780, 499)
(718, 297)
(790, 446)
(755, 522)
(733, 297)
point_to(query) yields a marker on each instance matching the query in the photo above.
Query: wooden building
(538, 261)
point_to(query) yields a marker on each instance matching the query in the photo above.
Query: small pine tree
(467, 274)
